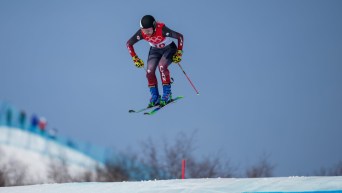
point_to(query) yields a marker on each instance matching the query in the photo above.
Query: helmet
(148, 21)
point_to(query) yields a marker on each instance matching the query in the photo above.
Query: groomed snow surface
(37, 153)
(218, 185)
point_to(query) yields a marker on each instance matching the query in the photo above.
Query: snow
(35, 143)
(218, 185)
(38, 154)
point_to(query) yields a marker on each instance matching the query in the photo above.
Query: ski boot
(167, 95)
(155, 98)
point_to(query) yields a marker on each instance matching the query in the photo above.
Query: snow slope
(37, 154)
(218, 185)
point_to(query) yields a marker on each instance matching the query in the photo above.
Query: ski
(140, 110)
(152, 112)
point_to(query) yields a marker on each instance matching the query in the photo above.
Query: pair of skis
(155, 109)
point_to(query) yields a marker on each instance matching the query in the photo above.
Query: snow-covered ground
(218, 185)
(36, 154)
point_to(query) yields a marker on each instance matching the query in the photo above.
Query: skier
(163, 52)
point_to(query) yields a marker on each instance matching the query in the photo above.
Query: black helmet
(148, 21)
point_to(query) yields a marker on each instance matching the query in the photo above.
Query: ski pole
(193, 86)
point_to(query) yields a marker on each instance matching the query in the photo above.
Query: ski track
(211, 185)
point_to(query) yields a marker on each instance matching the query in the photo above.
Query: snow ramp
(217, 185)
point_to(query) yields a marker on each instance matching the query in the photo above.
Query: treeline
(155, 161)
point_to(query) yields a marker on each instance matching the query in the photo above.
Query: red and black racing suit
(161, 51)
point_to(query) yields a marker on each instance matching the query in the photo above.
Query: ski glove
(177, 57)
(138, 62)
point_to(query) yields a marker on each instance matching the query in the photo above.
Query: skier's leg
(164, 70)
(163, 65)
(165, 61)
(152, 63)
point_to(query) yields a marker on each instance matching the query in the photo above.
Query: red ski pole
(193, 86)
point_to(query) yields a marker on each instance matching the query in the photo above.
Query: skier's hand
(138, 62)
(177, 57)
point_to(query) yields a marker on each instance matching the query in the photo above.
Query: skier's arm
(167, 32)
(177, 57)
(134, 39)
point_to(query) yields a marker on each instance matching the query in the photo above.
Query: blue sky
(269, 73)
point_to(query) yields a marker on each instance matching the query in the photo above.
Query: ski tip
(131, 111)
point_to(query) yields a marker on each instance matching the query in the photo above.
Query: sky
(268, 73)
